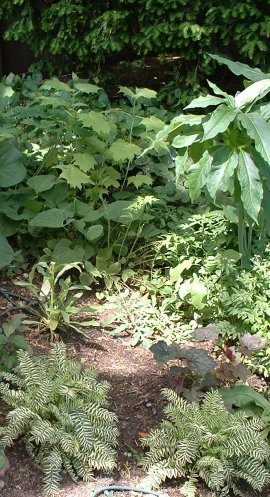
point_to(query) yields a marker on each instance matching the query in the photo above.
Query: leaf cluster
(60, 411)
(206, 442)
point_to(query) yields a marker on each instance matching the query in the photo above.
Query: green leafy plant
(60, 411)
(10, 342)
(225, 153)
(56, 298)
(247, 400)
(206, 442)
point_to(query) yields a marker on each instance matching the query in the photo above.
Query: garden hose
(10, 296)
(119, 488)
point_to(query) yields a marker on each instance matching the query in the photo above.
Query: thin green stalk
(130, 139)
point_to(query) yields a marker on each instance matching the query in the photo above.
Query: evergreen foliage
(206, 442)
(76, 33)
(60, 411)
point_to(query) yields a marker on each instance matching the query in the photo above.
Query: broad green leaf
(42, 182)
(152, 123)
(140, 179)
(198, 361)
(181, 163)
(203, 102)
(55, 84)
(94, 232)
(253, 74)
(252, 93)
(6, 91)
(51, 218)
(85, 161)
(19, 342)
(225, 161)
(176, 272)
(198, 175)
(124, 211)
(74, 176)
(242, 395)
(189, 119)
(121, 150)
(198, 292)
(219, 121)
(12, 170)
(259, 130)
(182, 141)
(145, 93)
(127, 92)
(95, 121)
(6, 252)
(218, 91)
(8, 227)
(164, 353)
(251, 186)
(87, 88)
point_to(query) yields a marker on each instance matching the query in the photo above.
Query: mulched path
(136, 383)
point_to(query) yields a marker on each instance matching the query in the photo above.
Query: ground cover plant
(60, 411)
(206, 442)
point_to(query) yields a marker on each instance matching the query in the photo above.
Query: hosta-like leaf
(259, 130)
(204, 101)
(252, 93)
(198, 175)
(12, 170)
(251, 186)
(253, 74)
(219, 121)
(224, 163)
(51, 218)
(6, 252)
(42, 182)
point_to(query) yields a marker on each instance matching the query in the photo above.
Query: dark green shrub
(80, 33)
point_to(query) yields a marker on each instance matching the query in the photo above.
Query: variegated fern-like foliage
(60, 411)
(208, 442)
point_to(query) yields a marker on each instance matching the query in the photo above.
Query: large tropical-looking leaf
(6, 252)
(259, 130)
(204, 101)
(253, 74)
(198, 175)
(51, 218)
(224, 163)
(252, 93)
(219, 121)
(251, 186)
(12, 170)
